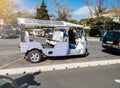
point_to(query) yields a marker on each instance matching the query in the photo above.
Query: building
(116, 19)
(114, 14)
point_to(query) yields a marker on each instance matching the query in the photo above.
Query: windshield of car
(110, 35)
(7, 28)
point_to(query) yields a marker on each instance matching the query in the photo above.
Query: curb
(27, 70)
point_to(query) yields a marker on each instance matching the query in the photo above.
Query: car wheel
(34, 56)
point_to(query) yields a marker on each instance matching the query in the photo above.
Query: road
(91, 77)
(10, 56)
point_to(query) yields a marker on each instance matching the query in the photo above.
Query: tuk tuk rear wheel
(34, 56)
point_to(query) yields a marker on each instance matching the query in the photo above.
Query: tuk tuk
(57, 45)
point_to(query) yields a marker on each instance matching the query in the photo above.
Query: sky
(79, 9)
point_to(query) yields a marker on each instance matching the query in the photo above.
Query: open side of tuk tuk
(58, 45)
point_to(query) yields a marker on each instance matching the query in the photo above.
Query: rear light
(119, 43)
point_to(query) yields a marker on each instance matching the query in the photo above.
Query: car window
(110, 35)
(117, 36)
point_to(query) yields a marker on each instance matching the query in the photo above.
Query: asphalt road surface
(91, 77)
(10, 56)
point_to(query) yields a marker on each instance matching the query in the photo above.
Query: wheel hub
(34, 57)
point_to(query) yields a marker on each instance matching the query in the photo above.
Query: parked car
(7, 31)
(111, 41)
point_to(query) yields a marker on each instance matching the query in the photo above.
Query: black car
(7, 32)
(111, 41)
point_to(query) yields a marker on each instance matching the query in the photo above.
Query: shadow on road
(110, 52)
(27, 80)
(66, 57)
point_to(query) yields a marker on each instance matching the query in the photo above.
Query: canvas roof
(46, 23)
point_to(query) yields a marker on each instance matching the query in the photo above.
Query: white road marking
(117, 80)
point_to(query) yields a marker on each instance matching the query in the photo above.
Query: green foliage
(99, 23)
(84, 21)
(42, 12)
(74, 21)
(93, 32)
(7, 7)
(116, 25)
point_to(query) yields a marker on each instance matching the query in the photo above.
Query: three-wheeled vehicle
(58, 45)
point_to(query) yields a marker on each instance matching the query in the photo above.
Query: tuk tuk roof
(47, 23)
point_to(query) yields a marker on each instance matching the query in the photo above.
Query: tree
(88, 3)
(12, 19)
(96, 24)
(7, 7)
(100, 22)
(62, 9)
(97, 5)
(85, 22)
(74, 21)
(100, 7)
(42, 12)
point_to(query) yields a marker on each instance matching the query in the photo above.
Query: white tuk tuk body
(57, 46)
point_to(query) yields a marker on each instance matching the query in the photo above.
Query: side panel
(26, 46)
(60, 49)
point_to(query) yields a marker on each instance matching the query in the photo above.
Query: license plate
(109, 42)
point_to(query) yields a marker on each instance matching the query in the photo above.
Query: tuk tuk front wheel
(86, 53)
(34, 56)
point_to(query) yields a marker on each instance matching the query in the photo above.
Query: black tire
(7, 82)
(34, 56)
(86, 53)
